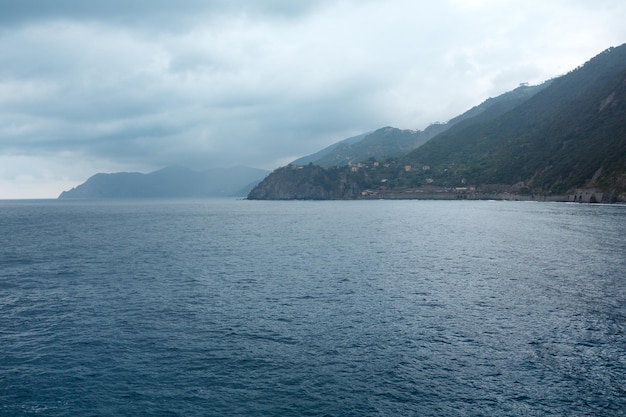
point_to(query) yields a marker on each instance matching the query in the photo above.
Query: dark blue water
(312, 308)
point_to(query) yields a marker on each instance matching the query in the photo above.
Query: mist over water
(349, 308)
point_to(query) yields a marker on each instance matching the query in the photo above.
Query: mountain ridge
(391, 141)
(555, 141)
(169, 182)
(570, 135)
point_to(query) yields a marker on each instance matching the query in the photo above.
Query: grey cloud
(165, 13)
(148, 83)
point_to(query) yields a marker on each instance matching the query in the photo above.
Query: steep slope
(569, 135)
(390, 142)
(382, 143)
(317, 156)
(308, 182)
(171, 182)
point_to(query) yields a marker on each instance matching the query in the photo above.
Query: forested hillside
(570, 135)
(390, 142)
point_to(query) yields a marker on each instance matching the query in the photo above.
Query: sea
(312, 308)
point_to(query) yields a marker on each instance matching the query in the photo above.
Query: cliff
(308, 182)
(570, 135)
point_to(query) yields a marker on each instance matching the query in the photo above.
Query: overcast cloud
(137, 85)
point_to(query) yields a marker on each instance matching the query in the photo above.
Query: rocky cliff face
(309, 182)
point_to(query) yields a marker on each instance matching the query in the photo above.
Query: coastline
(577, 196)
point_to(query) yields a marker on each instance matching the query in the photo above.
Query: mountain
(569, 135)
(171, 182)
(318, 156)
(383, 143)
(390, 142)
(305, 182)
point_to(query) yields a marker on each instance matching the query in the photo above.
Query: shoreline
(578, 196)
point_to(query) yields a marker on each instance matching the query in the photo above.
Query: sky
(137, 85)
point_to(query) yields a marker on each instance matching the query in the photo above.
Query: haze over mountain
(91, 86)
(569, 135)
(390, 141)
(171, 182)
(572, 134)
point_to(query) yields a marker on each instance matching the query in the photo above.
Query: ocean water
(336, 308)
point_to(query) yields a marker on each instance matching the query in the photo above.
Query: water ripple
(312, 308)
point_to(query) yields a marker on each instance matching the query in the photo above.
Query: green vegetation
(567, 134)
